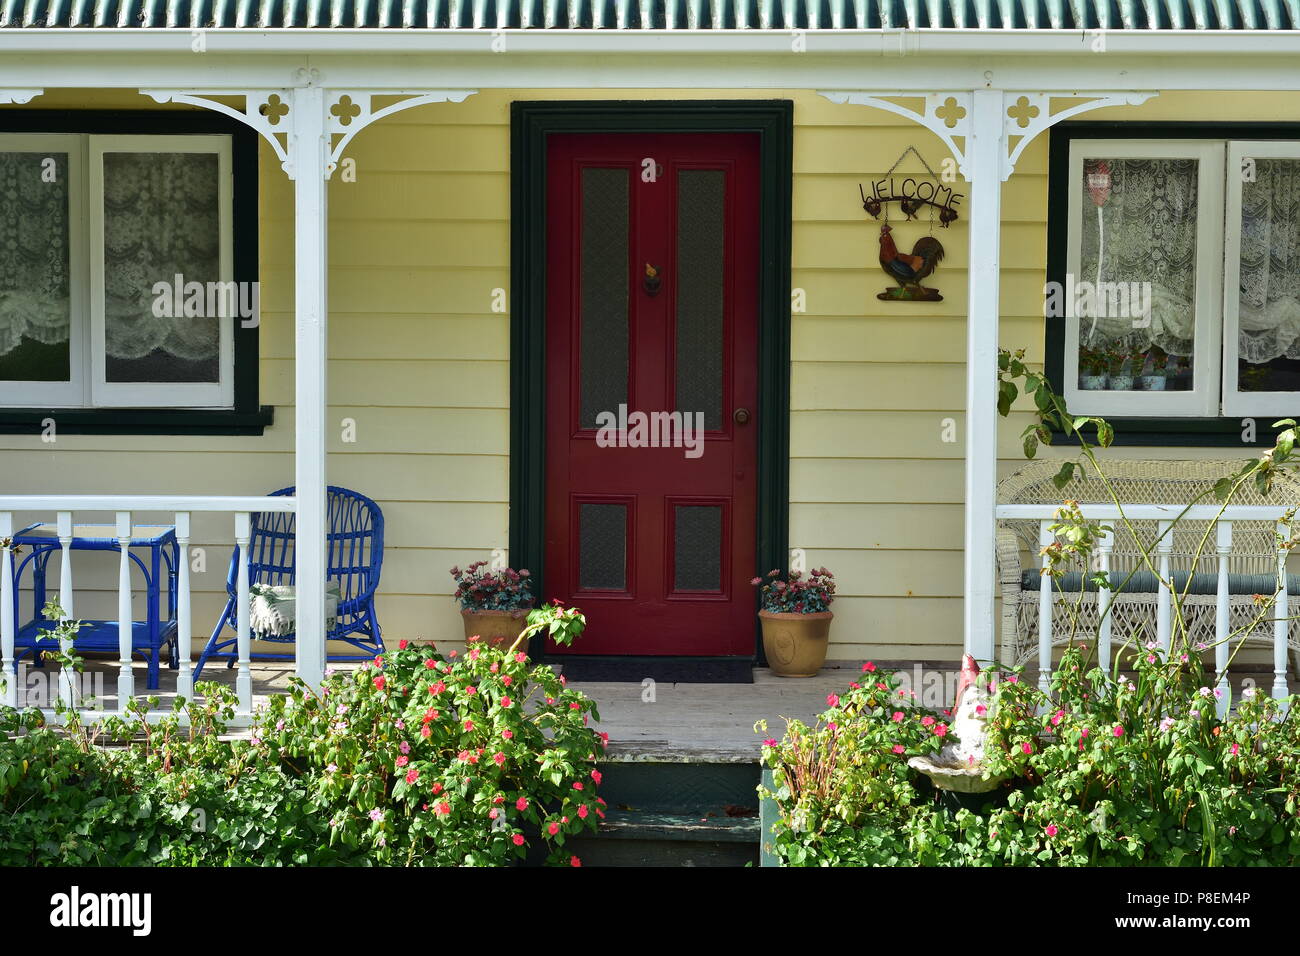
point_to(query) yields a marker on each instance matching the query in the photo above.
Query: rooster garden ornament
(909, 270)
(911, 197)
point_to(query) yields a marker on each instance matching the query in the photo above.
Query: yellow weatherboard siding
(420, 362)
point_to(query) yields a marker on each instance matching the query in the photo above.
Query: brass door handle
(741, 416)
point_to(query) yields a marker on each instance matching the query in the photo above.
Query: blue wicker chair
(355, 545)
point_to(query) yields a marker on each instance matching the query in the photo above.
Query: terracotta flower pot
(795, 644)
(497, 628)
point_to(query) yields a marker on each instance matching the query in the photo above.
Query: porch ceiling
(1145, 15)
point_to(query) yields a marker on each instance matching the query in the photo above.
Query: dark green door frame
(531, 123)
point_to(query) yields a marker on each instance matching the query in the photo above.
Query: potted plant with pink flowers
(796, 620)
(494, 602)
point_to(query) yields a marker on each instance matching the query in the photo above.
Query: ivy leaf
(1007, 393)
(1031, 442)
(1062, 477)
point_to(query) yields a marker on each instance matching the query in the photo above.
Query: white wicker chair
(1134, 612)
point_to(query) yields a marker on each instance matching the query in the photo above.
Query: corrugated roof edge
(724, 15)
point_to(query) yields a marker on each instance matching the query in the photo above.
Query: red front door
(652, 389)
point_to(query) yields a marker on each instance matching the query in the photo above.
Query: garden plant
(1119, 767)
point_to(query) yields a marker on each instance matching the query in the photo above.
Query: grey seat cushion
(1144, 582)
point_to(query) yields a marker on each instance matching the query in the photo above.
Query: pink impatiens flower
(519, 839)
(898, 717)
(832, 700)
(1051, 830)
(1233, 749)
(898, 748)
(506, 701)
(521, 804)
(941, 730)
(595, 776)
(927, 721)
(1119, 730)
(1027, 748)
(412, 775)
(769, 742)
(869, 667)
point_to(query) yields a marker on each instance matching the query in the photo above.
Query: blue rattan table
(148, 636)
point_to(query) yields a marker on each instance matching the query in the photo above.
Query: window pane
(603, 362)
(1268, 339)
(34, 266)
(1136, 294)
(162, 224)
(700, 194)
(697, 550)
(602, 547)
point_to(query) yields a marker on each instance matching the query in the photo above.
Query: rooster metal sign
(927, 252)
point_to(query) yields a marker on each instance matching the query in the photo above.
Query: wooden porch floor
(679, 722)
(710, 723)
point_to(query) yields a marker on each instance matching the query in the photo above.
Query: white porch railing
(65, 508)
(1164, 516)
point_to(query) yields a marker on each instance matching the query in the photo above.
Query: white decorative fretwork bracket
(8, 95)
(349, 112)
(1024, 115)
(272, 113)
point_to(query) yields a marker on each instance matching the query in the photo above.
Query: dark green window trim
(1154, 432)
(247, 416)
(531, 123)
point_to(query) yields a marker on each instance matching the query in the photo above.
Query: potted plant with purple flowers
(494, 602)
(796, 620)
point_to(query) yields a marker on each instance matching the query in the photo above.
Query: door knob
(741, 416)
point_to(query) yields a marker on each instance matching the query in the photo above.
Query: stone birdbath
(959, 765)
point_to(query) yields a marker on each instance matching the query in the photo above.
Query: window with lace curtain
(103, 241)
(1181, 292)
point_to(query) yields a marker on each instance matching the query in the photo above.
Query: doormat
(669, 670)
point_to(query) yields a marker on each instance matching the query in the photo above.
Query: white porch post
(985, 160)
(307, 165)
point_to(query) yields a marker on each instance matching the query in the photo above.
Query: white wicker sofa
(1251, 569)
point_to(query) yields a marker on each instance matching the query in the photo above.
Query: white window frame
(72, 393)
(1203, 399)
(1277, 403)
(219, 394)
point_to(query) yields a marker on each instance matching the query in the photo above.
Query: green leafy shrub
(793, 593)
(415, 759)
(457, 761)
(1100, 771)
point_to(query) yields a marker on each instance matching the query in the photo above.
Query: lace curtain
(33, 249)
(1269, 306)
(1144, 232)
(161, 219)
